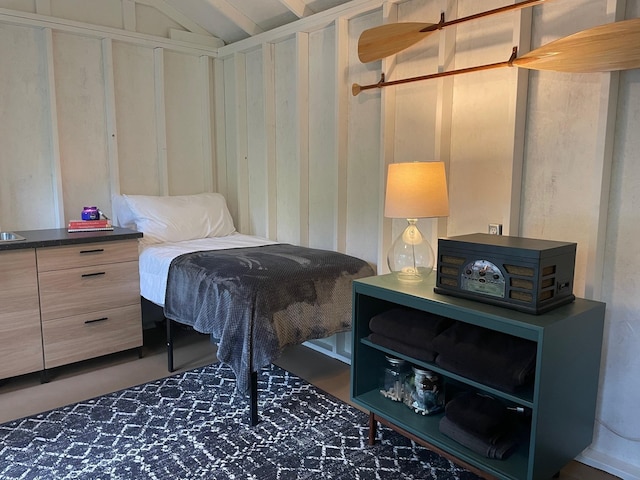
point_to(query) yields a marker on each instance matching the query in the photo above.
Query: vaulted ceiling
(234, 20)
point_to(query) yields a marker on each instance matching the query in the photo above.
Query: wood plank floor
(25, 395)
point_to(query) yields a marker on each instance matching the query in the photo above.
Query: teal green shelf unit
(560, 403)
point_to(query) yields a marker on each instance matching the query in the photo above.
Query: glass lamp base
(413, 276)
(411, 257)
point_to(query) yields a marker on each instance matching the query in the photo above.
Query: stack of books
(89, 225)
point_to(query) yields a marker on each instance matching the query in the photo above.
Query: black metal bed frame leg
(253, 393)
(169, 345)
(254, 399)
(253, 380)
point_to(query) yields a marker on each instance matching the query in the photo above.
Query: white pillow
(180, 217)
(122, 215)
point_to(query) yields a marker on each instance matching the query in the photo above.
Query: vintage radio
(525, 274)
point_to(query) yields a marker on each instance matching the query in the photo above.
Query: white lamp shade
(416, 190)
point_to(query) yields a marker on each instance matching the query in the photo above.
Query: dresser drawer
(79, 337)
(88, 289)
(73, 256)
(20, 341)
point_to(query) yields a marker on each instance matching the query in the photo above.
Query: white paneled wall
(530, 150)
(483, 125)
(88, 113)
(26, 163)
(619, 394)
(257, 151)
(185, 96)
(80, 100)
(290, 130)
(325, 167)
(564, 161)
(271, 124)
(137, 140)
(365, 163)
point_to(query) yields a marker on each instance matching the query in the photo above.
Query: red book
(89, 223)
(89, 229)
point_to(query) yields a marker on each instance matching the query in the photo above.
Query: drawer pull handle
(97, 250)
(93, 274)
(97, 320)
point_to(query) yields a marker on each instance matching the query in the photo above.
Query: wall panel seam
(302, 134)
(161, 121)
(56, 167)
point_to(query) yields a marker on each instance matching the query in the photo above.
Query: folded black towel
(478, 413)
(499, 450)
(494, 358)
(414, 352)
(409, 326)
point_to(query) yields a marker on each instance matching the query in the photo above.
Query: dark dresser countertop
(59, 236)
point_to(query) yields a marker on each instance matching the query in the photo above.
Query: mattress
(155, 259)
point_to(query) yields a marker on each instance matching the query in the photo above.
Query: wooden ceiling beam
(175, 15)
(236, 16)
(298, 7)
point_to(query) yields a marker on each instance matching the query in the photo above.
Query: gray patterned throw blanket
(258, 300)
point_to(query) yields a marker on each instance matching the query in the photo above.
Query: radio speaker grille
(521, 279)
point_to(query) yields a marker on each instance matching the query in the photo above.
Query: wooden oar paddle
(380, 42)
(610, 47)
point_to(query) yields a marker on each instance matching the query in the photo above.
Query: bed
(253, 296)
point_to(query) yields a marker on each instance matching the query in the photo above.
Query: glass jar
(393, 384)
(427, 392)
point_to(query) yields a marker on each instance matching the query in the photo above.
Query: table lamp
(414, 190)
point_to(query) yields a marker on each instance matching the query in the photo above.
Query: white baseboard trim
(604, 462)
(327, 351)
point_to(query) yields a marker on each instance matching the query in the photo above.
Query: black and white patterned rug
(194, 426)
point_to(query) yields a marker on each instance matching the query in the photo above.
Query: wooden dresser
(69, 297)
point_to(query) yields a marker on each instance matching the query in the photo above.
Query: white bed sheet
(155, 259)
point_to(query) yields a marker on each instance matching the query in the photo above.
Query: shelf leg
(372, 428)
